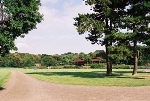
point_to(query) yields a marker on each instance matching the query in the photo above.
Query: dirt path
(22, 87)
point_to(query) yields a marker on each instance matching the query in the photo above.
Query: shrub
(103, 60)
(42, 67)
(121, 67)
(97, 66)
(71, 67)
(143, 67)
(29, 67)
(57, 67)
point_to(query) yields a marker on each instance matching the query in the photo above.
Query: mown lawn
(4, 77)
(91, 77)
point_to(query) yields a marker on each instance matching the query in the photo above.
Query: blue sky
(56, 33)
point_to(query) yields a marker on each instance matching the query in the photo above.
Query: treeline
(28, 60)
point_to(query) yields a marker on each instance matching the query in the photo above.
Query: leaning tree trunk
(136, 55)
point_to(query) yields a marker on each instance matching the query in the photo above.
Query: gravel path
(22, 87)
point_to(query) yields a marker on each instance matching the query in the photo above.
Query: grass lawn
(91, 77)
(4, 76)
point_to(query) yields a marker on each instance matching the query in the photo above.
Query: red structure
(80, 62)
(95, 60)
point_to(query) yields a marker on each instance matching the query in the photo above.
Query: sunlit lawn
(91, 77)
(4, 76)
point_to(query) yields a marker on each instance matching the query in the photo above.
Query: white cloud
(48, 1)
(60, 21)
(57, 34)
(22, 45)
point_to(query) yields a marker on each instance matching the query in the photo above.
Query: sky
(56, 34)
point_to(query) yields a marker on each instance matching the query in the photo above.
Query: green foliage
(29, 60)
(57, 67)
(71, 67)
(144, 55)
(144, 67)
(17, 19)
(137, 21)
(33, 67)
(121, 67)
(97, 66)
(41, 67)
(110, 17)
(47, 60)
(102, 24)
(88, 23)
(119, 52)
(103, 60)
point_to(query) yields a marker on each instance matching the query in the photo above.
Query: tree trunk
(108, 43)
(109, 63)
(135, 59)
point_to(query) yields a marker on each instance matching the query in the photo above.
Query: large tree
(102, 23)
(136, 21)
(48, 60)
(17, 18)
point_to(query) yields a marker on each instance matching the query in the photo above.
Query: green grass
(91, 77)
(4, 76)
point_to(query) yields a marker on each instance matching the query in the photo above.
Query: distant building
(95, 60)
(80, 62)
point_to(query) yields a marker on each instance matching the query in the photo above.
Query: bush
(42, 67)
(71, 67)
(143, 67)
(29, 67)
(103, 60)
(57, 67)
(97, 66)
(121, 67)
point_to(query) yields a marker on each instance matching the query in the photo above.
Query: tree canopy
(136, 21)
(104, 27)
(17, 18)
(102, 23)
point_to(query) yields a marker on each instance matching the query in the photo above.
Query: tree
(82, 55)
(144, 55)
(17, 18)
(92, 54)
(16, 60)
(48, 60)
(100, 53)
(102, 23)
(66, 58)
(87, 58)
(37, 58)
(136, 21)
(28, 60)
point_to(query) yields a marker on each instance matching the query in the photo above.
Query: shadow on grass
(92, 74)
(125, 77)
(73, 74)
